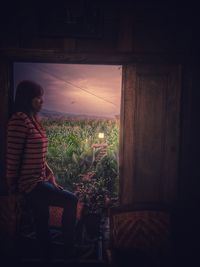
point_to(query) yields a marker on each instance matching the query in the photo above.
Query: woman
(28, 171)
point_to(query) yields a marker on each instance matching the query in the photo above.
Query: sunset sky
(75, 88)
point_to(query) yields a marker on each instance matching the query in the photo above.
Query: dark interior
(157, 44)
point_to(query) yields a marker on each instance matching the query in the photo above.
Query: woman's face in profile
(37, 103)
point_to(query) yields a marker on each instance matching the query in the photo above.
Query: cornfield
(70, 151)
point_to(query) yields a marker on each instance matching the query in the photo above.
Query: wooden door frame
(6, 83)
(8, 57)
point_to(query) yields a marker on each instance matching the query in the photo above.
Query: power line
(81, 88)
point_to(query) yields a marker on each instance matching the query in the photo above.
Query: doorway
(81, 115)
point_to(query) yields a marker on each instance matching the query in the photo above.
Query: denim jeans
(40, 198)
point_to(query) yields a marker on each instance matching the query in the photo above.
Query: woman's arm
(16, 139)
(51, 177)
(49, 174)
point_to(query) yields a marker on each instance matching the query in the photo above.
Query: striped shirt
(26, 152)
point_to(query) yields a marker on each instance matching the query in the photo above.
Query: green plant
(70, 150)
(107, 171)
(92, 192)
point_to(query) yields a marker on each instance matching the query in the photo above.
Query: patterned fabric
(8, 216)
(55, 214)
(14, 211)
(11, 215)
(26, 152)
(143, 230)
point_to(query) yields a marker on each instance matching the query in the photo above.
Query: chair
(26, 234)
(140, 235)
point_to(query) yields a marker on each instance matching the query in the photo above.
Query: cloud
(76, 88)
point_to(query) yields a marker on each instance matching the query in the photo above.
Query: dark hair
(25, 92)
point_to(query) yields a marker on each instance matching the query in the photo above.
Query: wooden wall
(151, 132)
(126, 26)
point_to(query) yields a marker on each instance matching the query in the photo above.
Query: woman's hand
(58, 186)
(51, 178)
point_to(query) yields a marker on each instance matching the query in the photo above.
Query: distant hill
(52, 114)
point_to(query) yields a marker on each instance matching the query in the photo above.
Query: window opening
(81, 115)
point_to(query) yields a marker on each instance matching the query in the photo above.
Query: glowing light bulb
(101, 135)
